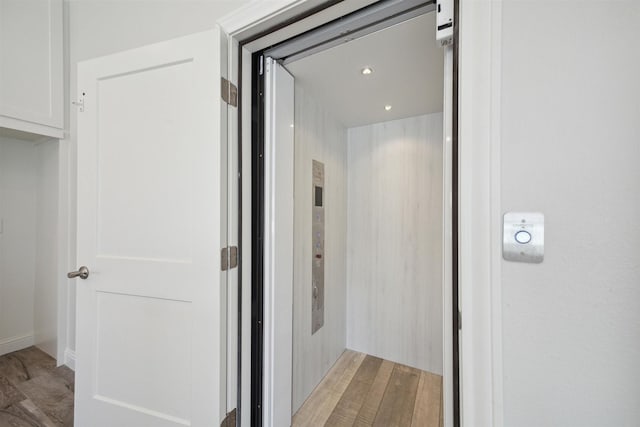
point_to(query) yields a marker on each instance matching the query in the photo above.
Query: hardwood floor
(33, 392)
(362, 390)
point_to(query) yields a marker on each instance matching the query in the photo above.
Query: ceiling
(407, 65)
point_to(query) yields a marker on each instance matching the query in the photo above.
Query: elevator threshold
(363, 390)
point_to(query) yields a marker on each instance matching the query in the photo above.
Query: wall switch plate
(523, 237)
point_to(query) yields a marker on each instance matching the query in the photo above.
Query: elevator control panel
(523, 237)
(317, 251)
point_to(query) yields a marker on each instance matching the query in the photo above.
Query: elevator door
(278, 276)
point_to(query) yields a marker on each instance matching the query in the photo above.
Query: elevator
(365, 126)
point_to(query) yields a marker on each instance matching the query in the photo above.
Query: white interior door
(278, 244)
(152, 187)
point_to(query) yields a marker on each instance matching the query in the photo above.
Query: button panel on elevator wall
(317, 238)
(523, 237)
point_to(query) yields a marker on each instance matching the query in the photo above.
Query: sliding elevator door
(278, 244)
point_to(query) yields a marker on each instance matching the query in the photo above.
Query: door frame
(478, 30)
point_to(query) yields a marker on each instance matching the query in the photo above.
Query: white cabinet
(31, 66)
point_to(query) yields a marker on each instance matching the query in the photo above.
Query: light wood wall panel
(394, 262)
(318, 136)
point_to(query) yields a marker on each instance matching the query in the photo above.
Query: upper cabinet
(31, 66)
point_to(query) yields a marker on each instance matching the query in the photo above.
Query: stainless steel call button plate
(523, 237)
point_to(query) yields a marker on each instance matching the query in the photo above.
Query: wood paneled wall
(321, 137)
(394, 241)
(383, 242)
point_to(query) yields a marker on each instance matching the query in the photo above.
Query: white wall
(101, 27)
(28, 244)
(570, 149)
(18, 189)
(46, 260)
(318, 136)
(394, 273)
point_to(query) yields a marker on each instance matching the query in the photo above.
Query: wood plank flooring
(33, 392)
(362, 390)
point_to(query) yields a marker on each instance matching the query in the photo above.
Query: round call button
(523, 237)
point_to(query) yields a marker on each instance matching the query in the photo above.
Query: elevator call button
(523, 237)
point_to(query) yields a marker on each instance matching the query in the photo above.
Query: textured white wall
(318, 136)
(570, 149)
(18, 188)
(394, 273)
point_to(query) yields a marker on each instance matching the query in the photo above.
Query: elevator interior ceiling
(407, 65)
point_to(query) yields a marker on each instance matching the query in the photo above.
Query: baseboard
(70, 358)
(16, 343)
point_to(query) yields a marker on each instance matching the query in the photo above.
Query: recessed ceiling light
(366, 71)
(387, 107)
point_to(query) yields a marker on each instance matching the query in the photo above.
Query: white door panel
(278, 246)
(151, 222)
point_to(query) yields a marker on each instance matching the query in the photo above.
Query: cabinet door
(31, 64)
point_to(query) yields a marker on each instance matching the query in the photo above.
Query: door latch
(80, 103)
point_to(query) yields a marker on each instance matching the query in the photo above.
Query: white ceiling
(407, 74)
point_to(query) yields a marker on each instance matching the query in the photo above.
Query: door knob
(82, 273)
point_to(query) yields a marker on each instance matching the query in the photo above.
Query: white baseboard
(70, 358)
(15, 343)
